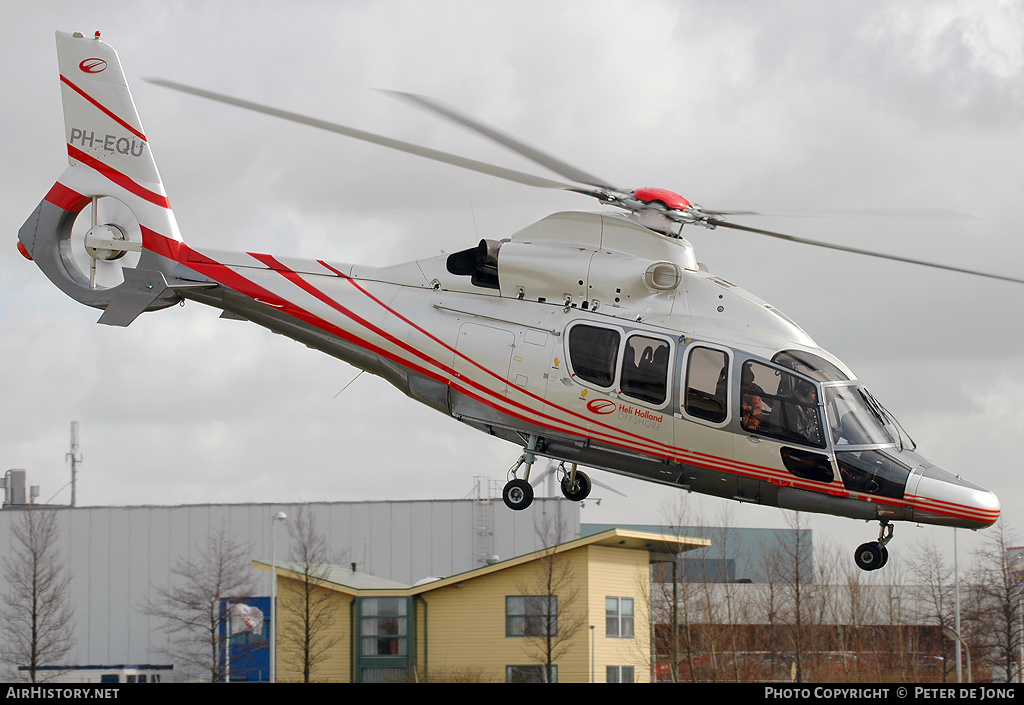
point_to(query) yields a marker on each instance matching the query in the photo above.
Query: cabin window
(873, 472)
(707, 384)
(856, 418)
(780, 405)
(808, 465)
(645, 369)
(814, 366)
(593, 352)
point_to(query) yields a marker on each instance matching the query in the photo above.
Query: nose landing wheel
(873, 554)
(518, 492)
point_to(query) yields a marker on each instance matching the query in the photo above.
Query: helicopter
(590, 339)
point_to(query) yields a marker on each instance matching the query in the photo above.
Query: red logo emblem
(601, 406)
(93, 65)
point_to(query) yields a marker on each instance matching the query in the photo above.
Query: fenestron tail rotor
(105, 238)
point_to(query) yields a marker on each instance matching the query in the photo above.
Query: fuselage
(656, 385)
(601, 339)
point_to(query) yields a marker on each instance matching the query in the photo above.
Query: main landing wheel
(518, 494)
(871, 556)
(576, 491)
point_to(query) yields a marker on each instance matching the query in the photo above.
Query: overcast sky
(782, 105)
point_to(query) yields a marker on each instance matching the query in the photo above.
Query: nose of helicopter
(947, 500)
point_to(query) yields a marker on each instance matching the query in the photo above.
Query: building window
(383, 627)
(618, 613)
(384, 675)
(619, 674)
(531, 615)
(531, 674)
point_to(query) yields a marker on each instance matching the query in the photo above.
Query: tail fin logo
(93, 65)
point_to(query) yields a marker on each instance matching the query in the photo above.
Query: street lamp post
(951, 634)
(592, 654)
(280, 516)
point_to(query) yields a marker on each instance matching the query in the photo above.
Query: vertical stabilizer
(102, 127)
(104, 233)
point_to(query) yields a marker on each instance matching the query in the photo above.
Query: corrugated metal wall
(118, 555)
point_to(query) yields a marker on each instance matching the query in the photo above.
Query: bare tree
(193, 608)
(995, 616)
(796, 559)
(933, 588)
(307, 635)
(769, 602)
(37, 627)
(896, 632)
(671, 599)
(546, 613)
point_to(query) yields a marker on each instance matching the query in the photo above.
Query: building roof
(344, 579)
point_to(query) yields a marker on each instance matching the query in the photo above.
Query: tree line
(816, 617)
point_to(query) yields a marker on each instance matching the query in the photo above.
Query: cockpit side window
(781, 405)
(707, 384)
(645, 369)
(593, 352)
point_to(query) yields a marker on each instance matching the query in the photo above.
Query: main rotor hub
(671, 199)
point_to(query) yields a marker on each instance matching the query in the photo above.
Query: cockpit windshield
(856, 418)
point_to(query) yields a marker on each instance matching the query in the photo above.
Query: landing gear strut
(873, 555)
(518, 493)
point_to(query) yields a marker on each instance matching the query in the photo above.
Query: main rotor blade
(857, 251)
(436, 155)
(943, 213)
(546, 160)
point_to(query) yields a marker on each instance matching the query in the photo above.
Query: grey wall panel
(424, 528)
(119, 557)
(381, 539)
(400, 526)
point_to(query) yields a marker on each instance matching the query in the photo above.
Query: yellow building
(580, 607)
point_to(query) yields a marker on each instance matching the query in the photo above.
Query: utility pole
(75, 457)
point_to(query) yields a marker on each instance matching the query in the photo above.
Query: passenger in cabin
(808, 421)
(751, 402)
